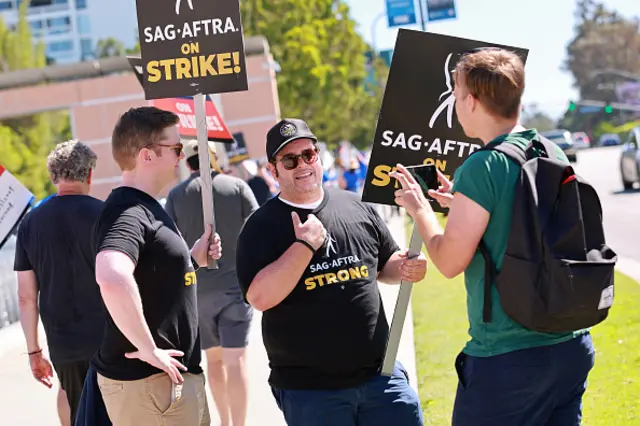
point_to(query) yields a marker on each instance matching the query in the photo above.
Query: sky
(545, 27)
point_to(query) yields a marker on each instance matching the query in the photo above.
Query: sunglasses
(290, 161)
(177, 148)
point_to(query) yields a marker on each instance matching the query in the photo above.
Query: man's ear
(90, 176)
(474, 102)
(145, 155)
(272, 169)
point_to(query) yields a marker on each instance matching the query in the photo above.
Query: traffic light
(572, 106)
(608, 109)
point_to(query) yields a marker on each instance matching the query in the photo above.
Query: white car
(630, 159)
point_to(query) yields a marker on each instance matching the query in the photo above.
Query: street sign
(386, 56)
(191, 48)
(441, 9)
(401, 12)
(589, 109)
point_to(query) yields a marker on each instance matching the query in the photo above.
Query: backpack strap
(512, 151)
(520, 157)
(547, 146)
(489, 277)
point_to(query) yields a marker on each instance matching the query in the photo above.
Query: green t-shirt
(488, 178)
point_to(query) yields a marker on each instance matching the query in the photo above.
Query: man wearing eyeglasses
(148, 367)
(309, 260)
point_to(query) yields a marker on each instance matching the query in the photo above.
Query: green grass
(440, 329)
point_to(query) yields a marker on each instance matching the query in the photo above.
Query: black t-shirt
(54, 241)
(260, 189)
(331, 331)
(134, 223)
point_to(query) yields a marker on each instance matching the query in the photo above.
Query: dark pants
(382, 401)
(540, 386)
(92, 411)
(71, 376)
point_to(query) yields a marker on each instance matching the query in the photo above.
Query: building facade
(70, 29)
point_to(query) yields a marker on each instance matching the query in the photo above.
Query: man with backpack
(517, 220)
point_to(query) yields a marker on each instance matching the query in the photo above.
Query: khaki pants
(156, 401)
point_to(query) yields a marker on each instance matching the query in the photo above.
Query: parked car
(563, 139)
(609, 139)
(581, 140)
(630, 159)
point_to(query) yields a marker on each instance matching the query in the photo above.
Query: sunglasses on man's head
(177, 148)
(290, 161)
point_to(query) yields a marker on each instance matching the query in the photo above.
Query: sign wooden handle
(205, 172)
(400, 312)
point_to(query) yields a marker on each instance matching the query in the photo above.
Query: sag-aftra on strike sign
(190, 47)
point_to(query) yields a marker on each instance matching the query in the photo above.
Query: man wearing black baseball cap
(310, 259)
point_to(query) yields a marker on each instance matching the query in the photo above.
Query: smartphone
(425, 175)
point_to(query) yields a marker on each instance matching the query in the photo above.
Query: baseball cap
(191, 148)
(286, 131)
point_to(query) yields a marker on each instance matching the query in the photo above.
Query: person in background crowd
(56, 277)
(353, 177)
(224, 317)
(257, 182)
(310, 259)
(508, 374)
(148, 366)
(274, 186)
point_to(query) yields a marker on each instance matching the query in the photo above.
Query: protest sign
(184, 108)
(417, 125)
(15, 200)
(417, 122)
(191, 47)
(237, 151)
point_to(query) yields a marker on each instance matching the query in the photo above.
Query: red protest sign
(184, 108)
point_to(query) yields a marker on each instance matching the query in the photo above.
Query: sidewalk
(24, 402)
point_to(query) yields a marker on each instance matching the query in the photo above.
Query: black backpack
(557, 273)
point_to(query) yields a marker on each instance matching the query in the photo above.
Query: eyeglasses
(177, 148)
(290, 161)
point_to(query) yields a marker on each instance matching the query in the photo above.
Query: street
(621, 209)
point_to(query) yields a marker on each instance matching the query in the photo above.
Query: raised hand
(443, 194)
(410, 195)
(312, 231)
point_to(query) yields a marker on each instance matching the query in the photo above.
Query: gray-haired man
(56, 278)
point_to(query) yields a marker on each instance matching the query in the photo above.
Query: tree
(533, 118)
(603, 40)
(26, 141)
(109, 47)
(322, 61)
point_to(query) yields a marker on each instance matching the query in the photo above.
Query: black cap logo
(288, 130)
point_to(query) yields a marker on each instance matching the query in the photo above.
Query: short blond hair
(71, 161)
(496, 78)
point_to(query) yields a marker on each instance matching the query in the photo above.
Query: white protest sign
(15, 199)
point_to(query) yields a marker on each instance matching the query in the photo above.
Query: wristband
(298, 240)
(34, 352)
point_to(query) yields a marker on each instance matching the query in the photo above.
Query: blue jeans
(540, 386)
(382, 401)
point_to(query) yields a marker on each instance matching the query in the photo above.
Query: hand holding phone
(426, 175)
